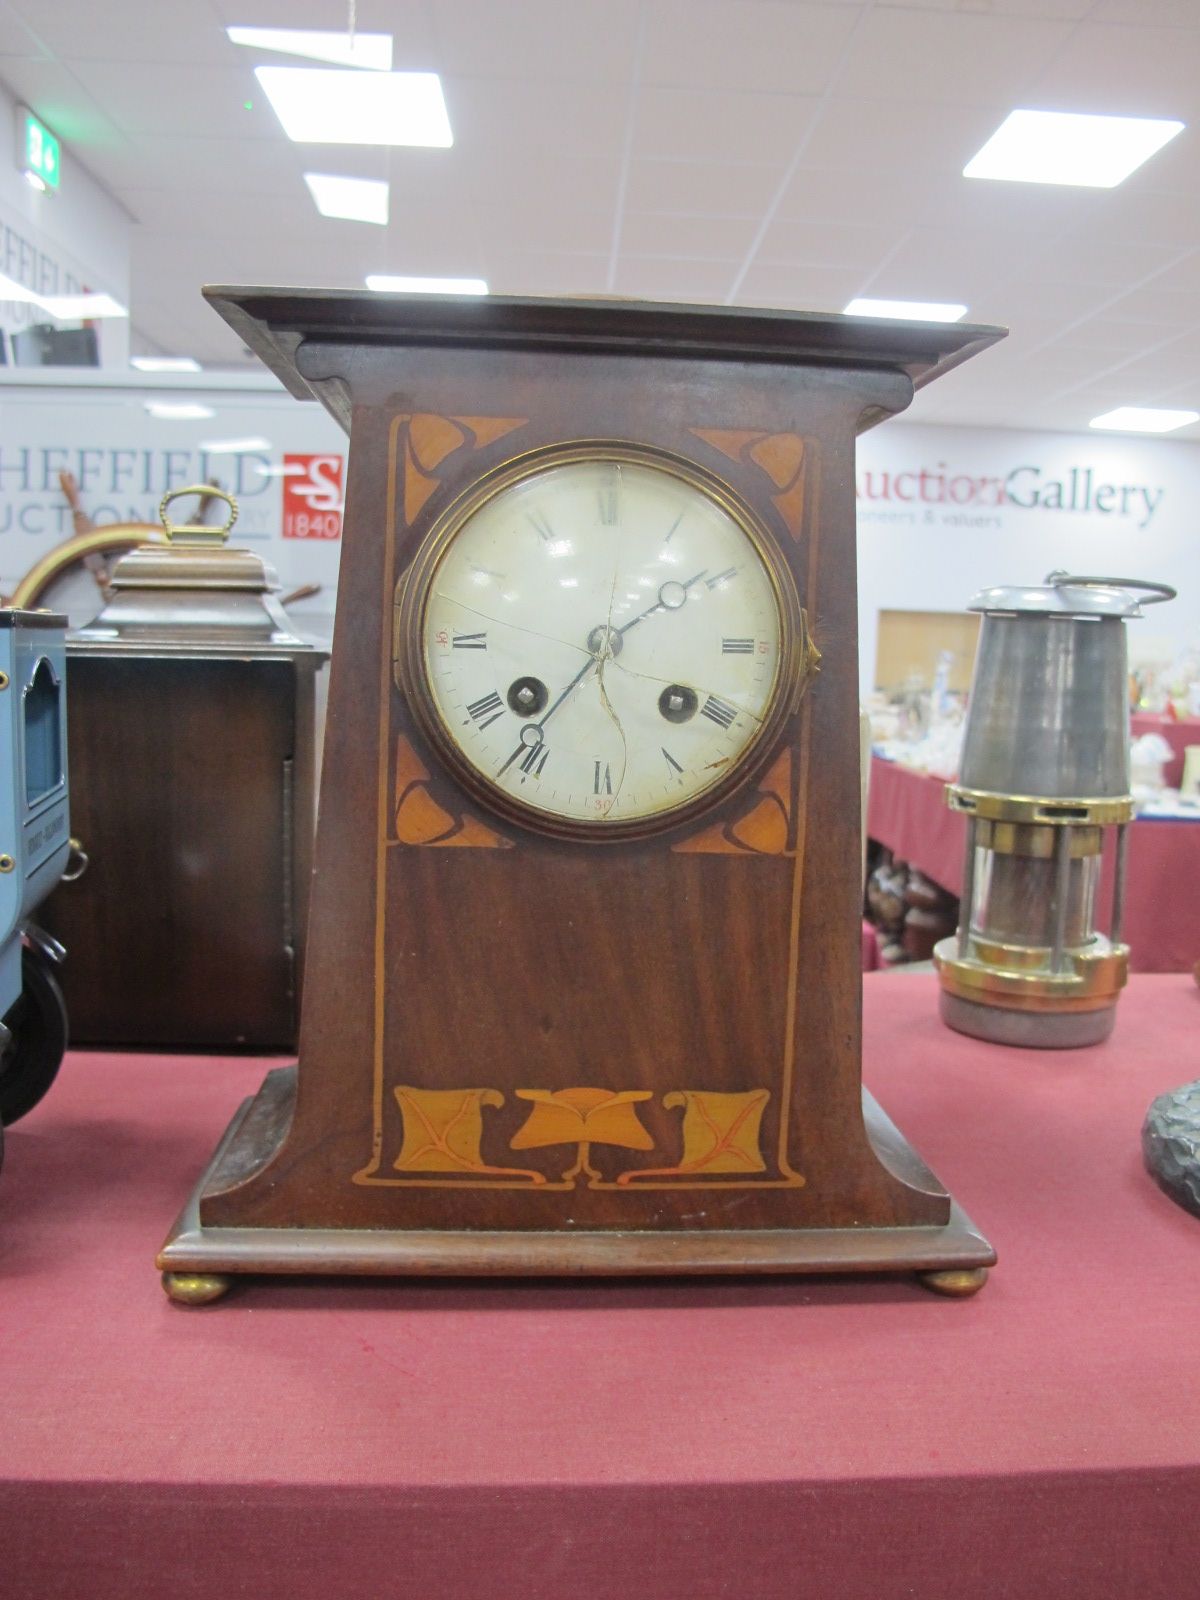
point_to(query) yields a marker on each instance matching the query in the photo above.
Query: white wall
(945, 512)
(75, 239)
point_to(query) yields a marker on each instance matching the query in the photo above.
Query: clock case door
(527, 1052)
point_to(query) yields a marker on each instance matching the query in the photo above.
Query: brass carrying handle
(77, 862)
(1155, 593)
(200, 532)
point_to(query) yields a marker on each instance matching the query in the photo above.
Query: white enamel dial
(602, 640)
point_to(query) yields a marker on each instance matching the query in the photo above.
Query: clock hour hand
(531, 733)
(671, 596)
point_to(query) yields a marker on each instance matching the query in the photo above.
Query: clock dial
(602, 640)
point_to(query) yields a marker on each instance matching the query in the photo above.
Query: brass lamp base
(1034, 1030)
(990, 994)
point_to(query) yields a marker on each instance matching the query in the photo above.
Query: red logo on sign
(312, 497)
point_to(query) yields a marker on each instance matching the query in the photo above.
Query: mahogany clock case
(523, 1050)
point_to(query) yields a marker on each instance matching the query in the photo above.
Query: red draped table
(907, 812)
(687, 1440)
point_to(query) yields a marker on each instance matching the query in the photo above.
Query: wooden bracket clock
(583, 989)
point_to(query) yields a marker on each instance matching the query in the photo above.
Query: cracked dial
(602, 640)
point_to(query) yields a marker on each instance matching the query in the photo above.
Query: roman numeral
(532, 758)
(608, 503)
(544, 530)
(603, 783)
(737, 647)
(718, 711)
(711, 583)
(488, 709)
(470, 641)
(671, 761)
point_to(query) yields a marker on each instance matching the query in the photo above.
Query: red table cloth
(769, 1439)
(907, 812)
(1178, 732)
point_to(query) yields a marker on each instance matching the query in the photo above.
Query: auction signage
(945, 512)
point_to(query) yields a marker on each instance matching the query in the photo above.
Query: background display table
(857, 1438)
(907, 812)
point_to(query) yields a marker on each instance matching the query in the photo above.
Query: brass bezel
(411, 601)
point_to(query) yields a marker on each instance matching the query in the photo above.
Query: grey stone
(1171, 1144)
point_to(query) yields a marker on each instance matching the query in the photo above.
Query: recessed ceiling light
(1144, 419)
(907, 310)
(36, 181)
(1067, 147)
(164, 363)
(318, 106)
(233, 447)
(178, 411)
(351, 199)
(81, 307)
(370, 50)
(383, 283)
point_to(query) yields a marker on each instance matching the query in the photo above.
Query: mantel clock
(583, 982)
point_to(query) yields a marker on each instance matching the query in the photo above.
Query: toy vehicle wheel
(38, 1023)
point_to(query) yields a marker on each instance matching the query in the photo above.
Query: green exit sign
(41, 153)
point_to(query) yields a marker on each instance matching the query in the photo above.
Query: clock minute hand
(671, 596)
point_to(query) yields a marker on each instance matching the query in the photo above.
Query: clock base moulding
(200, 1263)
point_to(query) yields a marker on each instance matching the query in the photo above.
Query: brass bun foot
(958, 1282)
(195, 1288)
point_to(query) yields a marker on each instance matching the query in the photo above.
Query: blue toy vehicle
(34, 846)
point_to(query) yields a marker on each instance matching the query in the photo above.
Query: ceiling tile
(768, 46)
(548, 272)
(199, 167)
(711, 238)
(957, 58)
(169, 32)
(527, 121)
(888, 134)
(16, 39)
(702, 189)
(662, 278)
(883, 198)
(793, 284)
(859, 246)
(692, 125)
(587, 41)
(1142, 72)
(142, 98)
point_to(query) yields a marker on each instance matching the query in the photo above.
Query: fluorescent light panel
(178, 411)
(63, 307)
(384, 283)
(372, 51)
(907, 310)
(350, 199)
(1144, 419)
(164, 363)
(234, 447)
(1067, 147)
(319, 106)
(81, 307)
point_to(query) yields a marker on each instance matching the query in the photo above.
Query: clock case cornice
(282, 326)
